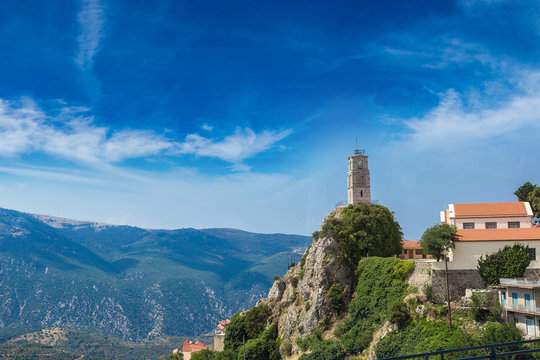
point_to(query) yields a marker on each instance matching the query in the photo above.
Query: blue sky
(170, 114)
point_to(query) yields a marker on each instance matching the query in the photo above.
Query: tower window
(491, 225)
(361, 193)
(513, 224)
(468, 225)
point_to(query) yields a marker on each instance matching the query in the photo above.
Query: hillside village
(301, 304)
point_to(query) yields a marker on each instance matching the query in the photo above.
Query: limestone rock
(299, 302)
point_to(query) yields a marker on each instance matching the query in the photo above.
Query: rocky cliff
(300, 301)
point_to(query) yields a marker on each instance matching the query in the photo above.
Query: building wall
(219, 342)
(521, 323)
(466, 254)
(502, 222)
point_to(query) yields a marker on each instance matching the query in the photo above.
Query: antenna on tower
(356, 151)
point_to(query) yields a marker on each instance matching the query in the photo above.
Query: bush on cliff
(363, 230)
(382, 282)
(509, 262)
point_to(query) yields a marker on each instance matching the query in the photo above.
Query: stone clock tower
(358, 183)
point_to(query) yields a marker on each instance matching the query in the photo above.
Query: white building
(485, 228)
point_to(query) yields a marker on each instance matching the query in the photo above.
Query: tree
(235, 332)
(509, 262)
(534, 200)
(438, 239)
(363, 230)
(255, 321)
(523, 191)
(531, 193)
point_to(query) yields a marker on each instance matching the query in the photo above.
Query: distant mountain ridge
(130, 282)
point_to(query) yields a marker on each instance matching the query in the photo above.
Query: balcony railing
(528, 309)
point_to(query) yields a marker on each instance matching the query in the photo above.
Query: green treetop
(531, 193)
(438, 239)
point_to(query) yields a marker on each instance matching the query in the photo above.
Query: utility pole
(448, 293)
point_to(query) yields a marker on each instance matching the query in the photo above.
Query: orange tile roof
(498, 234)
(411, 244)
(516, 208)
(189, 346)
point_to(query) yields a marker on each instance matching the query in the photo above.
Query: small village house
(518, 298)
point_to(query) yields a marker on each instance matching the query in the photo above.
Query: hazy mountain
(130, 282)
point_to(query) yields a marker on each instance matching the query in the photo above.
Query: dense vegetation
(438, 239)
(531, 193)
(425, 336)
(509, 262)
(363, 230)
(382, 283)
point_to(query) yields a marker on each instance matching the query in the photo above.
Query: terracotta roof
(411, 244)
(516, 208)
(498, 234)
(190, 346)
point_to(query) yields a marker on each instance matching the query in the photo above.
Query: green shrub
(423, 336)
(276, 278)
(485, 307)
(381, 282)
(328, 350)
(255, 321)
(263, 347)
(430, 295)
(364, 229)
(301, 274)
(509, 262)
(204, 354)
(335, 293)
(235, 332)
(495, 333)
(398, 313)
(294, 281)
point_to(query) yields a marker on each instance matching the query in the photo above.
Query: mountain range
(133, 283)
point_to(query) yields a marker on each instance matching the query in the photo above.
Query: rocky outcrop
(299, 302)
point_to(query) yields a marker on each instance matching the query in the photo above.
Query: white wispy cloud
(91, 18)
(462, 119)
(235, 148)
(71, 133)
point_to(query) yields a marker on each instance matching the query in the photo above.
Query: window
(491, 225)
(361, 193)
(503, 298)
(532, 253)
(404, 251)
(527, 301)
(468, 225)
(513, 224)
(418, 251)
(514, 300)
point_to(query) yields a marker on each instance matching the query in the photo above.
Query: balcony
(523, 309)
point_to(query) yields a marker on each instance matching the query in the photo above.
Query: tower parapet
(358, 179)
